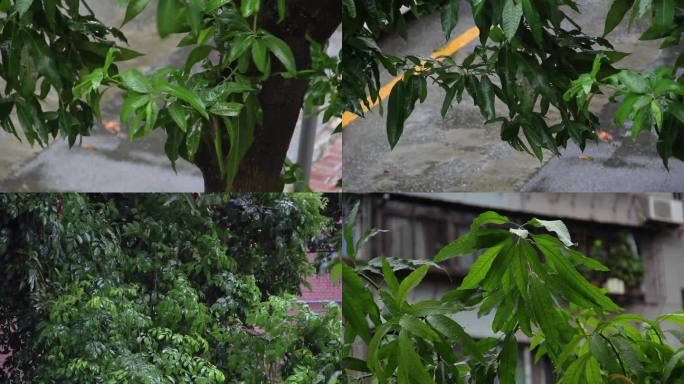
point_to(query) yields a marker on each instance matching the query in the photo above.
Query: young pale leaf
(556, 226)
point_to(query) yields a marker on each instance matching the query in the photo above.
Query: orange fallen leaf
(88, 147)
(605, 137)
(112, 127)
(586, 157)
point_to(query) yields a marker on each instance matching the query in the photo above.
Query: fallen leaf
(88, 147)
(112, 127)
(392, 171)
(586, 157)
(605, 137)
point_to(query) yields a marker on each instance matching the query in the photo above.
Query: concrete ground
(461, 153)
(111, 163)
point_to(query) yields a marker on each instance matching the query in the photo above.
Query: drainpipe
(307, 138)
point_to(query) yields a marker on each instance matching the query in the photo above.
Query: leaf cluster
(526, 279)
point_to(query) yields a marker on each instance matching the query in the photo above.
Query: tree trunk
(282, 99)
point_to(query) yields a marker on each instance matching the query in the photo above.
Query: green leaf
(634, 82)
(587, 261)
(626, 108)
(617, 12)
(226, 109)
(551, 248)
(544, 311)
(281, 11)
(418, 328)
(449, 16)
(677, 318)
(481, 266)
(168, 17)
(249, 7)
(373, 361)
(455, 333)
(281, 51)
(671, 364)
(628, 355)
(396, 114)
(390, 278)
(134, 80)
(410, 362)
(259, 56)
(410, 282)
(192, 139)
(602, 351)
(131, 103)
(151, 114)
(355, 300)
(459, 247)
(593, 371)
(664, 13)
(533, 20)
(178, 116)
(186, 95)
(511, 17)
(508, 360)
(198, 54)
(657, 113)
(134, 8)
(22, 6)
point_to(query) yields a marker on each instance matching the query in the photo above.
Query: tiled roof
(322, 290)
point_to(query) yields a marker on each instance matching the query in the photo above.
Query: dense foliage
(236, 99)
(533, 57)
(161, 289)
(526, 276)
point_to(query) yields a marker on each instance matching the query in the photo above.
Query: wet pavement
(105, 162)
(461, 153)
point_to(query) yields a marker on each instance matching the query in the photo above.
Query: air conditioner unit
(665, 210)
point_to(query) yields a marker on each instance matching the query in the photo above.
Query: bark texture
(281, 99)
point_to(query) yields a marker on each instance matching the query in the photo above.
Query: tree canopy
(161, 289)
(534, 58)
(231, 109)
